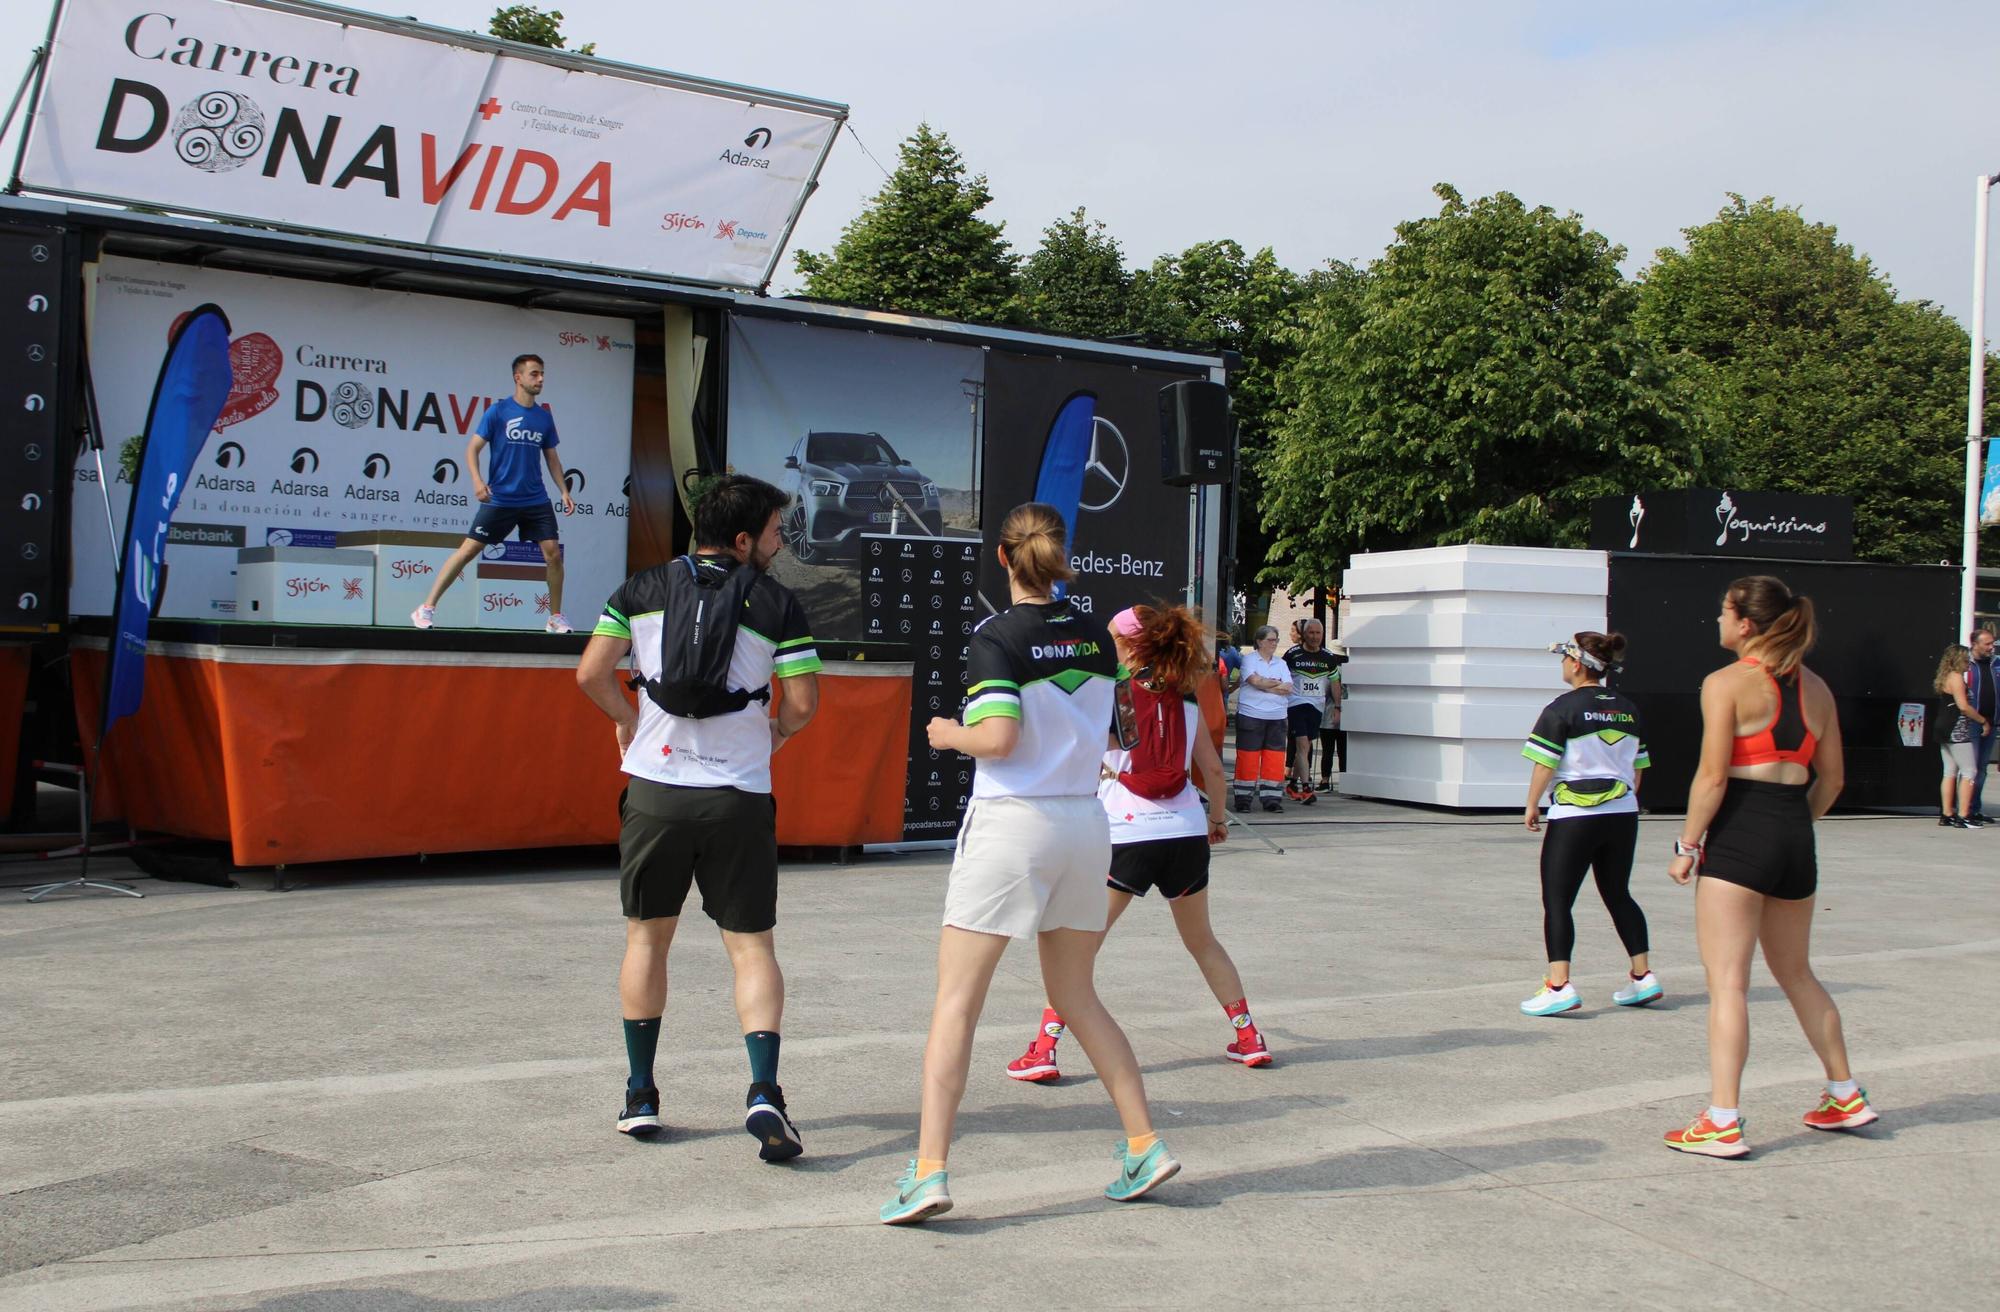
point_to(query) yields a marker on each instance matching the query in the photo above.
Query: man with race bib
(1314, 670)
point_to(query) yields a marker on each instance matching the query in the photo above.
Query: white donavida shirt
(1255, 702)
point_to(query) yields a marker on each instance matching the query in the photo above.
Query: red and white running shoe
(1036, 1066)
(1249, 1050)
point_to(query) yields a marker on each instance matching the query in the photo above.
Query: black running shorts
(1302, 721)
(722, 839)
(1175, 866)
(493, 523)
(1762, 839)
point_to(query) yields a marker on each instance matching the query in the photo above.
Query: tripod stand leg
(41, 891)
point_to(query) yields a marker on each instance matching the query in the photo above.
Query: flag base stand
(41, 891)
(83, 846)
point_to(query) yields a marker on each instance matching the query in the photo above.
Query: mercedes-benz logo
(1109, 467)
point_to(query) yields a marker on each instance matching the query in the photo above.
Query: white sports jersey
(722, 751)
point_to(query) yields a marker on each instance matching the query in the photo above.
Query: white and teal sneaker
(1639, 992)
(1137, 1176)
(1552, 1001)
(917, 1200)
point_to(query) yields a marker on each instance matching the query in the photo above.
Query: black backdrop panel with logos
(1131, 533)
(919, 592)
(1706, 521)
(33, 400)
(1881, 630)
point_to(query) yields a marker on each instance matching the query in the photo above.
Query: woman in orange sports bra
(1770, 766)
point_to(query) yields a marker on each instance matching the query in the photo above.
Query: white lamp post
(1975, 410)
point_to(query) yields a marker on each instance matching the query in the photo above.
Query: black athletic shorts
(723, 839)
(1762, 839)
(493, 523)
(1302, 721)
(1175, 866)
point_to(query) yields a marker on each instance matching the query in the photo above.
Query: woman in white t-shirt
(1260, 724)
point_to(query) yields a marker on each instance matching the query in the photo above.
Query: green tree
(530, 26)
(1214, 297)
(1482, 383)
(1076, 281)
(1800, 359)
(920, 246)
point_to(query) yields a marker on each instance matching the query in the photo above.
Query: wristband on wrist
(1687, 849)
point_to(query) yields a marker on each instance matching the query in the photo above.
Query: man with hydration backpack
(707, 633)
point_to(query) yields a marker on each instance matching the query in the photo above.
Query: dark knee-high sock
(642, 1040)
(762, 1045)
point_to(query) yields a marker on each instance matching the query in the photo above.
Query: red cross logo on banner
(489, 109)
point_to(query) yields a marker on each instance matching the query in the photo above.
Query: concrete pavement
(393, 1088)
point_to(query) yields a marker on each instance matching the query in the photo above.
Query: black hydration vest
(705, 604)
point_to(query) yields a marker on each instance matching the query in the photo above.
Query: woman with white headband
(1587, 744)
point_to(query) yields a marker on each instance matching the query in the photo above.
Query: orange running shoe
(1841, 1113)
(1702, 1136)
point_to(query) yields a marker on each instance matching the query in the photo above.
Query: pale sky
(1315, 128)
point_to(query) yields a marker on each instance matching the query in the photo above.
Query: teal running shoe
(1552, 1001)
(1137, 1176)
(917, 1200)
(1639, 992)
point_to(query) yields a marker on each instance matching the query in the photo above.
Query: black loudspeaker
(1194, 433)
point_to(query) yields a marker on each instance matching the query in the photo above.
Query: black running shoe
(641, 1116)
(1273, 804)
(777, 1138)
(1956, 823)
(1944, 822)
(1973, 822)
(1243, 805)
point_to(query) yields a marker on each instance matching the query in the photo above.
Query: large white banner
(232, 108)
(351, 411)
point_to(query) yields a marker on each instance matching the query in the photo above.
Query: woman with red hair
(1159, 836)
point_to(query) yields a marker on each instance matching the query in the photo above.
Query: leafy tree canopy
(920, 246)
(1482, 382)
(530, 26)
(1801, 361)
(1214, 297)
(1076, 281)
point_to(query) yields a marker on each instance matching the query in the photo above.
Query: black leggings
(1574, 846)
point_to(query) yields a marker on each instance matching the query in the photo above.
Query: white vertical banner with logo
(323, 119)
(350, 411)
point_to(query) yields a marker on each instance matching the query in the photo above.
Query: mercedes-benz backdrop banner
(350, 411)
(1131, 529)
(867, 433)
(31, 318)
(324, 119)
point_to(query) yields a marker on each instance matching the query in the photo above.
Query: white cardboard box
(511, 596)
(305, 585)
(406, 565)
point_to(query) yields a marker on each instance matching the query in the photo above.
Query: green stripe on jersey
(1540, 755)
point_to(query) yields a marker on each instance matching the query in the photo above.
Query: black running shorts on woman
(1175, 866)
(1762, 839)
(722, 839)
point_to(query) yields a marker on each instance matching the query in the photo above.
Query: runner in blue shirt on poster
(522, 437)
